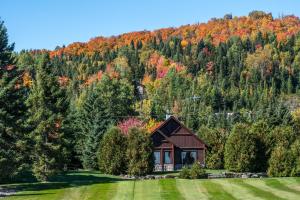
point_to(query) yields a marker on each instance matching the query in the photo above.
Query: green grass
(94, 186)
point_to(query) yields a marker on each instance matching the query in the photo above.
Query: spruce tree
(107, 102)
(46, 104)
(12, 141)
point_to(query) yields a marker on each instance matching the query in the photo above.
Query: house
(176, 146)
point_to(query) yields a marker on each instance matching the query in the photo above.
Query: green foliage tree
(215, 139)
(261, 131)
(295, 150)
(106, 103)
(112, 152)
(240, 150)
(139, 152)
(13, 150)
(47, 106)
(280, 163)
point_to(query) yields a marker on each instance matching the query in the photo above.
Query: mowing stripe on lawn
(124, 190)
(291, 182)
(191, 189)
(258, 192)
(237, 191)
(76, 193)
(168, 189)
(147, 189)
(216, 191)
(275, 183)
(101, 191)
(280, 193)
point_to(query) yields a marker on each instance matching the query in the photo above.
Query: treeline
(56, 110)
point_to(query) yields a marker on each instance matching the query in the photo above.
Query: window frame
(191, 152)
(159, 157)
(170, 157)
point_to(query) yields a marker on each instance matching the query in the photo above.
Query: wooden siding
(175, 137)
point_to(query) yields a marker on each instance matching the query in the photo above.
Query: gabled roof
(181, 125)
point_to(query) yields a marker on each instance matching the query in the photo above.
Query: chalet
(176, 146)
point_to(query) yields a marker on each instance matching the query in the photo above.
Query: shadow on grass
(280, 186)
(29, 194)
(68, 180)
(165, 173)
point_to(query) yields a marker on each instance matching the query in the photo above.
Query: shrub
(111, 154)
(215, 139)
(240, 150)
(281, 161)
(197, 171)
(261, 131)
(295, 149)
(139, 152)
(185, 173)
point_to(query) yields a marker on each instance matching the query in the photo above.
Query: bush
(240, 150)
(295, 149)
(185, 173)
(215, 139)
(111, 154)
(197, 171)
(280, 163)
(139, 152)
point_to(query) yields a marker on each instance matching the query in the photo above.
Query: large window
(188, 157)
(156, 157)
(167, 157)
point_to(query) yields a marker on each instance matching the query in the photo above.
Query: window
(167, 157)
(188, 157)
(156, 157)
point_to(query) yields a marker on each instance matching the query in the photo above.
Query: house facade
(176, 146)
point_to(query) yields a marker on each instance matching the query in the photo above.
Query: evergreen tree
(106, 103)
(281, 162)
(112, 152)
(139, 152)
(12, 111)
(240, 150)
(47, 106)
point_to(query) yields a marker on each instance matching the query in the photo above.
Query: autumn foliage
(129, 123)
(218, 30)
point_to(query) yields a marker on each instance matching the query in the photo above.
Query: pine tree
(47, 106)
(12, 108)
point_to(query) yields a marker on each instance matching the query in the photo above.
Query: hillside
(217, 30)
(233, 81)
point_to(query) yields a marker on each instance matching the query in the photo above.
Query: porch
(171, 159)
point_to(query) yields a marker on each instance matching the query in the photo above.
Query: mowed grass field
(95, 186)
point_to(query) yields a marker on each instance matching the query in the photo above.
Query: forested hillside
(227, 79)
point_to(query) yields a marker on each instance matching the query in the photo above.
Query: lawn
(92, 186)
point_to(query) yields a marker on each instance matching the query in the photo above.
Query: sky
(45, 24)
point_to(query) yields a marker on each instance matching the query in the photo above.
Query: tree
(281, 162)
(295, 150)
(47, 106)
(139, 152)
(240, 150)
(215, 139)
(105, 103)
(261, 131)
(112, 152)
(12, 111)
